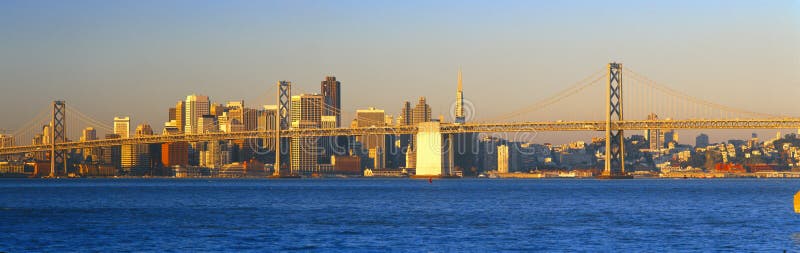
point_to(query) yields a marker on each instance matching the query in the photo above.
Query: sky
(138, 58)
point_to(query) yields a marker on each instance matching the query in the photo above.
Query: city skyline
(534, 67)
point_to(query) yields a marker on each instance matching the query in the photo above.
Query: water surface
(398, 214)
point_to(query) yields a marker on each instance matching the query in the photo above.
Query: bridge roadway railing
(786, 123)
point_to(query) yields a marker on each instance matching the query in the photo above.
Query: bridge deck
(788, 123)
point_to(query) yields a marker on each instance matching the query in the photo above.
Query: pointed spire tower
(459, 110)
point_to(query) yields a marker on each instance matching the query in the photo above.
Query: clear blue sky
(137, 58)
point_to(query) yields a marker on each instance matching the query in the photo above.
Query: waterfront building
(175, 153)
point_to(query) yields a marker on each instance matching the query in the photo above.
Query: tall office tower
(250, 119)
(180, 116)
(306, 113)
(207, 124)
(406, 115)
(669, 136)
(235, 110)
(214, 154)
(47, 134)
(502, 158)
(421, 112)
(459, 113)
(327, 144)
(122, 127)
(89, 154)
(196, 107)
(405, 140)
(331, 93)
(144, 130)
(171, 112)
(374, 144)
(266, 118)
(112, 154)
(701, 141)
(217, 109)
(89, 134)
(655, 136)
(136, 157)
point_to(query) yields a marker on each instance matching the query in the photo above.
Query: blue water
(401, 215)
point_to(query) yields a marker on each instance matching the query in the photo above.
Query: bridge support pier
(615, 139)
(58, 158)
(284, 96)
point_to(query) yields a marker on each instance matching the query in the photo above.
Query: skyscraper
(111, 154)
(421, 112)
(196, 107)
(122, 126)
(655, 136)
(171, 112)
(375, 144)
(180, 118)
(207, 124)
(502, 158)
(266, 118)
(331, 93)
(89, 134)
(406, 115)
(136, 159)
(306, 113)
(459, 113)
(250, 119)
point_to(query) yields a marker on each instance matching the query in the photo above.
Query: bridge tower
(615, 140)
(58, 158)
(281, 119)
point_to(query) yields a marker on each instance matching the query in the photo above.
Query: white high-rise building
(122, 127)
(196, 107)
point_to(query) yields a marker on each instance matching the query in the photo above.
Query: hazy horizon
(138, 58)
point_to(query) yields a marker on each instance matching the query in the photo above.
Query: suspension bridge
(642, 98)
